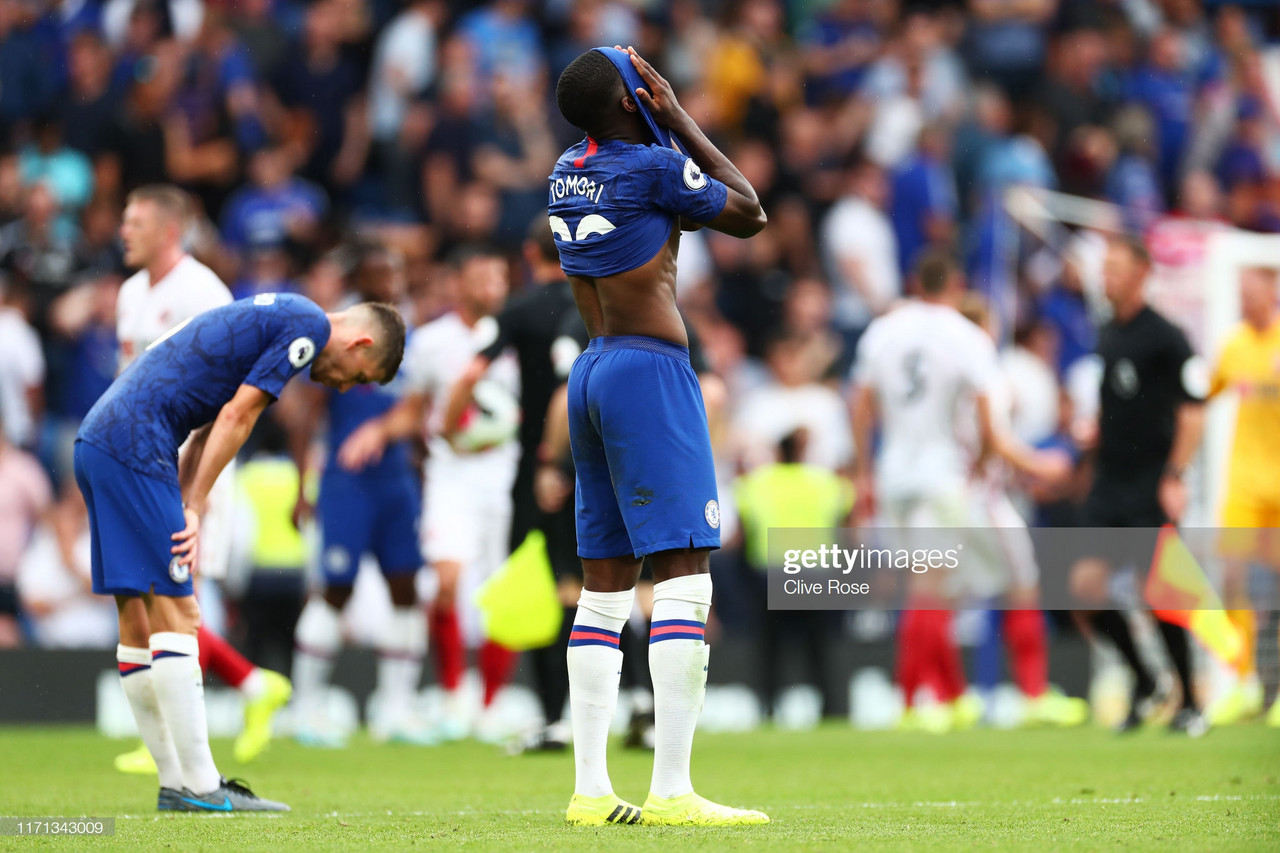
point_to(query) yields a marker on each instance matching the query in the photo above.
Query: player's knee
(337, 596)
(678, 563)
(135, 627)
(1089, 582)
(404, 592)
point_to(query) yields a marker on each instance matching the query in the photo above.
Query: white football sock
(678, 656)
(316, 641)
(253, 685)
(595, 666)
(135, 678)
(400, 653)
(179, 686)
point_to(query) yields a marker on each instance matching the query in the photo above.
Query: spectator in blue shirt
(923, 198)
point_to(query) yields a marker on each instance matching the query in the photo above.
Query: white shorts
(1001, 557)
(466, 517)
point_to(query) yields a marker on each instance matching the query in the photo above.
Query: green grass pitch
(828, 789)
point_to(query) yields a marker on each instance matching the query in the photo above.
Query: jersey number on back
(911, 365)
(592, 223)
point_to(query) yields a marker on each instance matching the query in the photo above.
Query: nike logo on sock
(225, 806)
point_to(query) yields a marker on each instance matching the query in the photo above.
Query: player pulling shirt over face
(646, 482)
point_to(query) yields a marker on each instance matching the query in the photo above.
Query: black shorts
(8, 600)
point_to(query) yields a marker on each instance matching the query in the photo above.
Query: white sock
(595, 666)
(135, 678)
(179, 685)
(316, 641)
(400, 653)
(678, 655)
(253, 685)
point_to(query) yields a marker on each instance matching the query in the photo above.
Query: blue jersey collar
(631, 77)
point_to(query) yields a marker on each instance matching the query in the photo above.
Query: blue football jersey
(183, 379)
(362, 403)
(613, 204)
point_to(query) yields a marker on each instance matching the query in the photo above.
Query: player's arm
(305, 406)
(463, 394)
(550, 485)
(742, 215)
(366, 443)
(190, 459)
(864, 415)
(998, 441)
(227, 435)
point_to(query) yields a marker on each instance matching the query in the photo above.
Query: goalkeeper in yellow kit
(1249, 365)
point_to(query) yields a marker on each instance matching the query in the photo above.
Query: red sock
(950, 669)
(910, 643)
(496, 664)
(928, 656)
(217, 656)
(1024, 633)
(446, 642)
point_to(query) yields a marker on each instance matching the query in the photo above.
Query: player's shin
(316, 642)
(678, 656)
(135, 678)
(404, 643)
(595, 666)
(179, 686)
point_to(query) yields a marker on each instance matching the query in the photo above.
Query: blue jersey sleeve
(301, 332)
(679, 187)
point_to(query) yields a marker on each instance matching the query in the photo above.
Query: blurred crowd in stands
(321, 137)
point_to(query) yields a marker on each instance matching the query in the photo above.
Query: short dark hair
(541, 236)
(171, 201)
(586, 89)
(388, 343)
(460, 256)
(933, 270)
(1136, 247)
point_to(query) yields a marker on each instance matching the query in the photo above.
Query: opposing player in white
(169, 288)
(917, 368)
(467, 501)
(1003, 561)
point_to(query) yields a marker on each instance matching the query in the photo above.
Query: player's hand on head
(662, 103)
(362, 448)
(187, 539)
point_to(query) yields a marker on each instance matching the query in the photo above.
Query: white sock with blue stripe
(595, 667)
(678, 655)
(135, 678)
(179, 684)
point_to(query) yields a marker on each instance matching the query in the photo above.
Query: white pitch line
(918, 804)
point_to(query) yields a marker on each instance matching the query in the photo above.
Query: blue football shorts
(131, 519)
(364, 512)
(646, 481)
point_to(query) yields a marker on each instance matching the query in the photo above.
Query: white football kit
(467, 500)
(923, 361)
(146, 312)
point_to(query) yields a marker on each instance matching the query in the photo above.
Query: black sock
(1175, 640)
(1112, 625)
(551, 670)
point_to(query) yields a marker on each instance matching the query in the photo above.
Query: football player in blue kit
(373, 509)
(214, 373)
(645, 484)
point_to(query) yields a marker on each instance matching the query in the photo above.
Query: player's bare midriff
(641, 301)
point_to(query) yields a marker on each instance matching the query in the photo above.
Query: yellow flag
(1178, 591)
(519, 602)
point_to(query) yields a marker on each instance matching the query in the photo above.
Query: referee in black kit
(1150, 424)
(530, 323)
